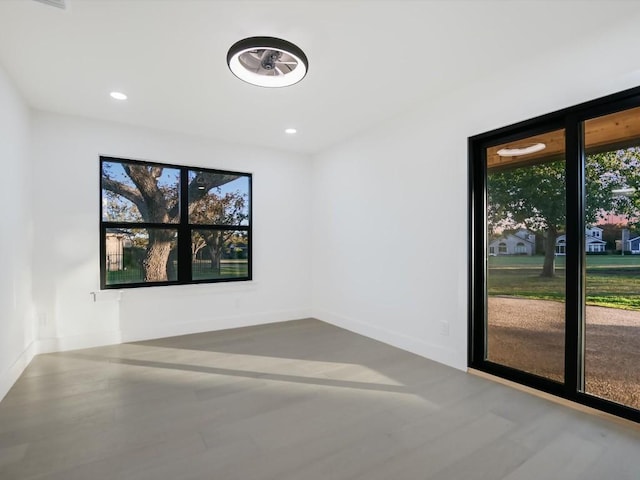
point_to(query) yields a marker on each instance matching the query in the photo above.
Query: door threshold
(555, 399)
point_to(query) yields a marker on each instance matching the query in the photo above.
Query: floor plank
(287, 401)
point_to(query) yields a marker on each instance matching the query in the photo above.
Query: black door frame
(572, 120)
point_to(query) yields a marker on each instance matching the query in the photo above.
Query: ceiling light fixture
(514, 152)
(267, 62)
(290, 131)
(118, 95)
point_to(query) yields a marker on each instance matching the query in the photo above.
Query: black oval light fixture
(267, 62)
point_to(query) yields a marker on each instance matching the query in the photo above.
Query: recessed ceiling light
(267, 62)
(514, 152)
(291, 131)
(118, 95)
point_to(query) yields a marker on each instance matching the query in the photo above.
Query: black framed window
(554, 282)
(171, 225)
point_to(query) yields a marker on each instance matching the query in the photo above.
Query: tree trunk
(215, 245)
(216, 255)
(156, 260)
(195, 249)
(549, 266)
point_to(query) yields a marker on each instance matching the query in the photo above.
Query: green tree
(534, 195)
(217, 209)
(610, 233)
(157, 203)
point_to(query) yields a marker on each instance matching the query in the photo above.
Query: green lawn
(612, 280)
(228, 269)
(201, 271)
(130, 275)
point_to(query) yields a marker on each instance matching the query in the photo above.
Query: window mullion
(184, 231)
(135, 240)
(574, 257)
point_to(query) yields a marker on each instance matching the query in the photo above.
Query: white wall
(371, 236)
(66, 151)
(16, 306)
(390, 206)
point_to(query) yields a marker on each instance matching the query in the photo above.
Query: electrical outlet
(444, 329)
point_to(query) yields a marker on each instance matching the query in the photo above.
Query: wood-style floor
(290, 401)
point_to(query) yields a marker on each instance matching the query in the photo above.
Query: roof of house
(511, 235)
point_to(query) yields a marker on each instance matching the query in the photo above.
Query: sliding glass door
(555, 253)
(525, 278)
(612, 247)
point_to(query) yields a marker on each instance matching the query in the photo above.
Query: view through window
(612, 244)
(555, 253)
(526, 218)
(167, 224)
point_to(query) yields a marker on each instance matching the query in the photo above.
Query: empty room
(320, 239)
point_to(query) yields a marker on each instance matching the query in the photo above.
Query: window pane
(140, 255)
(218, 198)
(133, 192)
(525, 280)
(219, 254)
(612, 246)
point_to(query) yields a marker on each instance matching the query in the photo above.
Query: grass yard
(612, 280)
(201, 271)
(228, 269)
(130, 275)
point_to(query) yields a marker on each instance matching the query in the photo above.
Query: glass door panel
(612, 247)
(525, 267)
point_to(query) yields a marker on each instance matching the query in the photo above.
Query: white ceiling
(368, 59)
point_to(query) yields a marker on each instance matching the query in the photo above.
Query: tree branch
(129, 193)
(207, 181)
(157, 209)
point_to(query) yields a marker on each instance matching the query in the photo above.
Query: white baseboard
(135, 334)
(432, 351)
(76, 342)
(428, 350)
(11, 375)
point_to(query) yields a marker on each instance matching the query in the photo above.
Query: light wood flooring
(299, 400)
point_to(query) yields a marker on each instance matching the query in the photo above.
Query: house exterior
(523, 242)
(633, 245)
(593, 242)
